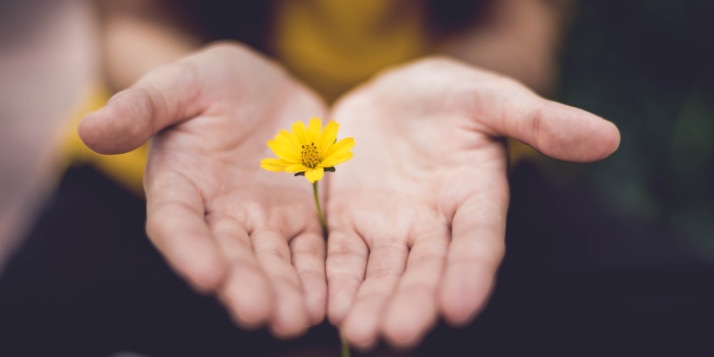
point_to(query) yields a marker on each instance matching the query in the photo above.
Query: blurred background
(614, 257)
(48, 61)
(646, 66)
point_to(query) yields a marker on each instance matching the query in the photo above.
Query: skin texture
(416, 218)
(227, 227)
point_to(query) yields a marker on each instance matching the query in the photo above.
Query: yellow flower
(310, 151)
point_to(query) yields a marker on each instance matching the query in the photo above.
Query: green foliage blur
(647, 65)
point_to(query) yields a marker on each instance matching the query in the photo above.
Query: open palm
(417, 218)
(250, 236)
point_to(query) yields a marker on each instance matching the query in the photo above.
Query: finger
(475, 251)
(160, 99)
(345, 266)
(384, 269)
(246, 293)
(555, 129)
(308, 258)
(176, 226)
(412, 310)
(290, 317)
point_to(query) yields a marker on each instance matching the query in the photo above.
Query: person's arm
(517, 38)
(141, 35)
(47, 65)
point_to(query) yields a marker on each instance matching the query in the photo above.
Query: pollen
(310, 155)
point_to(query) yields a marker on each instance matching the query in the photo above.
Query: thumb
(557, 130)
(164, 97)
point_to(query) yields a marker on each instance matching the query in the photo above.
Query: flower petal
(343, 145)
(300, 132)
(287, 139)
(336, 159)
(315, 174)
(284, 152)
(276, 165)
(327, 138)
(313, 130)
(293, 168)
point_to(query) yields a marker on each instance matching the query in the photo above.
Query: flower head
(308, 151)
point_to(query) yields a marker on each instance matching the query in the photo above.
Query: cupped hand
(417, 218)
(228, 227)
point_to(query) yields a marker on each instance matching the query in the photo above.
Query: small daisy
(308, 151)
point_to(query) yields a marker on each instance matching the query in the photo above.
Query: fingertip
(605, 139)
(463, 295)
(122, 125)
(248, 299)
(197, 260)
(290, 316)
(288, 334)
(308, 258)
(290, 328)
(360, 330)
(404, 326)
(345, 268)
(573, 134)
(455, 313)
(611, 139)
(336, 310)
(316, 308)
(359, 335)
(207, 276)
(88, 132)
(402, 341)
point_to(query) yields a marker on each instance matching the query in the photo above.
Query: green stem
(345, 345)
(323, 223)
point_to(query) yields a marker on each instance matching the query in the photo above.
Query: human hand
(417, 218)
(224, 224)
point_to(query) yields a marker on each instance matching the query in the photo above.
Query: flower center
(310, 156)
